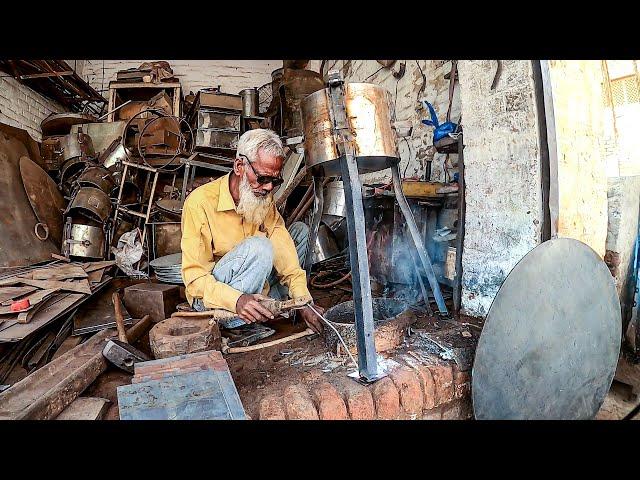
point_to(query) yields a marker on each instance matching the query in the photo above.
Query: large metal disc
(61, 123)
(551, 340)
(45, 198)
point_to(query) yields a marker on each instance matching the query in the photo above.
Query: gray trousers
(247, 266)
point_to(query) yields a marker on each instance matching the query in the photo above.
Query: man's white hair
(259, 139)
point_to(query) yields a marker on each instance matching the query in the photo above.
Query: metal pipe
(417, 241)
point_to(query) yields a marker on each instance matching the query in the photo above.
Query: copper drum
(369, 116)
(98, 177)
(92, 203)
(76, 145)
(86, 241)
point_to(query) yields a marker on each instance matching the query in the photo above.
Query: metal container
(369, 115)
(51, 153)
(217, 119)
(213, 138)
(297, 84)
(92, 203)
(98, 177)
(114, 155)
(86, 241)
(334, 202)
(249, 102)
(325, 246)
(76, 145)
(70, 171)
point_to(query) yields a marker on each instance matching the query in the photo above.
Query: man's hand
(249, 309)
(311, 319)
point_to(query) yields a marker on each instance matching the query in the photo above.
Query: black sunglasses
(264, 179)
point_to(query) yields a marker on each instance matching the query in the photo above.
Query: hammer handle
(122, 334)
(139, 329)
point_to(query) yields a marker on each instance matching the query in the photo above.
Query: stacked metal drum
(86, 180)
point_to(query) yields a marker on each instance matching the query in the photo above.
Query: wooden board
(77, 286)
(85, 408)
(8, 294)
(421, 189)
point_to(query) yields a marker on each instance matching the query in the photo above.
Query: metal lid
(61, 123)
(550, 344)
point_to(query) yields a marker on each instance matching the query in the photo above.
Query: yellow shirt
(211, 227)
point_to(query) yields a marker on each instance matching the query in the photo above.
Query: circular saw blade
(551, 340)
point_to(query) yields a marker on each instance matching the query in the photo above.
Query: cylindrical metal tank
(369, 116)
(92, 203)
(249, 102)
(86, 241)
(98, 177)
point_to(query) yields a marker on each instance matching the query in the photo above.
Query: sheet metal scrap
(21, 245)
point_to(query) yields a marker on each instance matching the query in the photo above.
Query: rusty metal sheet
(18, 242)
(44, 197)
(550, 344)
(61, 123)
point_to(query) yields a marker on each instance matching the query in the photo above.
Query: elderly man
(235, 247)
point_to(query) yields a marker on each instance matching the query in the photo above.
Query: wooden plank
(421, 189)
(85, 408)
(117, 85)
(45, 393)
(8, 294)
(78, 286)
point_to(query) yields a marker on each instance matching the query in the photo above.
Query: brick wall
(232, 75)
(502, 176)
(24, 108)
(579, 125)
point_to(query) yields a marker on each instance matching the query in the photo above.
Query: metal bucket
(86, 241)
(98, 177)
(76, 145)
(369, 116)
(92, 203)
(249, 102)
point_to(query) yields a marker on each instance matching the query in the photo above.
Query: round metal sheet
(61, 123)
(168, 261)
(551, 340)
(45, 198)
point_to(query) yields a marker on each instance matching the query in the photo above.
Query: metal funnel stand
(348, 161)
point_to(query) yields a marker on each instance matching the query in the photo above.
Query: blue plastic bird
(440, 131)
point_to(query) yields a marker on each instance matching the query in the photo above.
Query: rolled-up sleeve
(285, 260)
(197, 261)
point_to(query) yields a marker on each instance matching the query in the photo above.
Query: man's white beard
(252, 208)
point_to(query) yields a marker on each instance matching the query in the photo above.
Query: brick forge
(429, 389)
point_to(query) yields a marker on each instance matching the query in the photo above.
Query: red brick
(461, 383)
(386, 399)
(359, 401)
(298, 404)
(443, 379)
(271, 408)
(329, 402)
(409, 389)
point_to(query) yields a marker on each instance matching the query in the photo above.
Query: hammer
(119, 352)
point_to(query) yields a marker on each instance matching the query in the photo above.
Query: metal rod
(361, 282)
(417, 241)
(115, 109)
